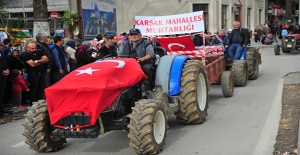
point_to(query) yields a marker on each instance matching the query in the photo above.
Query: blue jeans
(235, 51)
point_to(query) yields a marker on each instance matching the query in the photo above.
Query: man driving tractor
(142, 50)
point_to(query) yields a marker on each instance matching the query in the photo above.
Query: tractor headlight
(293, 40)
(286, 40)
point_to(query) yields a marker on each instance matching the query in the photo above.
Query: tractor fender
(175, 75)
(163, 72)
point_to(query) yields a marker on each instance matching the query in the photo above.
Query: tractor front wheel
(37, 129)
(147, 127)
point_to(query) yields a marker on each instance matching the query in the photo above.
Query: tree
(288, 10)
(3, 14)
(71, 19)
(40, 14)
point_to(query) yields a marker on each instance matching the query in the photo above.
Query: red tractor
(288, 44)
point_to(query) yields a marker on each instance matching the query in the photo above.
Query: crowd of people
(269, 32)
(25, 74)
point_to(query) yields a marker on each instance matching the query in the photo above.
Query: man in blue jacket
(222, 39)
(60, 61)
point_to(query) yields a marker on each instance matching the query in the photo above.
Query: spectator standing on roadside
(105, 50)
(35, 61)
(257, 34)
(291, 28)
(4, 72)
(82, 56)
(7, 45)
(278, 28)
(114, 49)
(59, 69)
(296, 29)
(274, 32)
(41, 45)
(18, 84)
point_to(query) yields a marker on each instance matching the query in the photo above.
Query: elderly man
(35, 67)
(222, 39)
(239, 39)
(136, 47)
(41, 45)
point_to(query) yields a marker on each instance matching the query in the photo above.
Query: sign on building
(168, 25)
(98, 16)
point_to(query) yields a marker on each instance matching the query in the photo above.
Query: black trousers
(37, 86)
(2, 91)
(148, 70)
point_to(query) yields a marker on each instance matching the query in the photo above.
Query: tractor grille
(289, 38)
(75, 119)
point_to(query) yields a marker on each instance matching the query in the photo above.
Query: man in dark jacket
(114, 49)
(59, 69)
(104, 50)
(41, 45)
(4, 72)
(222, 39)
(239, 39)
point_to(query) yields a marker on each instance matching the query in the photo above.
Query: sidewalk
(16, 115)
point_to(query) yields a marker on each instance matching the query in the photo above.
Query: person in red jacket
(18, 84)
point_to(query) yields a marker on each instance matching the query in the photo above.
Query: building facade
(219, 14)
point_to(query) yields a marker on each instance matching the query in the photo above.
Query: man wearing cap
(136, 47)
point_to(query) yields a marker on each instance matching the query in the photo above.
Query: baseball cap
(134, 31)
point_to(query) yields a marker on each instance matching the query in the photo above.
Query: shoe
(15, 106)
(21, 107)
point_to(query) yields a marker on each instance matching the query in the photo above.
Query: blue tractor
(180, 89)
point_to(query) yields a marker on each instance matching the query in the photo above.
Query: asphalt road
(245, 124)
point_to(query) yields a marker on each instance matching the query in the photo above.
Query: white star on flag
(86, 71)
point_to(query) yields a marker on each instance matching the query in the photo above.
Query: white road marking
(267, 138)
(19, 144)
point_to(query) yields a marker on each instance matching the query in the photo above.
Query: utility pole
(298, 11)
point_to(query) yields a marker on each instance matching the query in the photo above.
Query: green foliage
(16, 23)
(69, 19)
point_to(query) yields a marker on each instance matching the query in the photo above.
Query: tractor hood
(91, 88)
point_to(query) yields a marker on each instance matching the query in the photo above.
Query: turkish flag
(181, 43)
(92, 88)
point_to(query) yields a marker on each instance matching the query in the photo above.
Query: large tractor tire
(240, 73)
(252, 62)
(227, 84)
(193, 96)
(38, 130)
(147, 127)
(277, 49)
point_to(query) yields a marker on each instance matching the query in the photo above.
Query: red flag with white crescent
(91, 88)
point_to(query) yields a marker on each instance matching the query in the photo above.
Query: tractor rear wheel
(193, 96)
(240, 73)
(227, 84)
(252, 62)
(37, 129)
(147, 127)
(277, 49)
